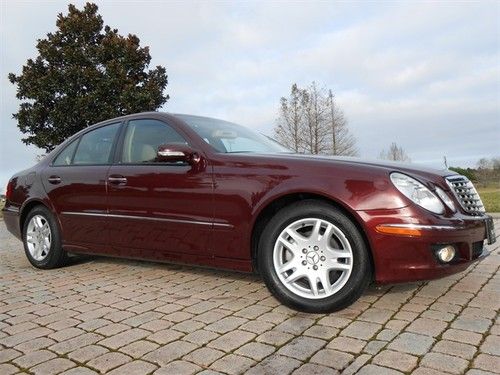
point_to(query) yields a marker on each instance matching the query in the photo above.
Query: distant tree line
(487, 171)
(470, 173)
(311, 121)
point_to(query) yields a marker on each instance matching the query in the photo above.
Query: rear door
(76, 185)
(157, 210)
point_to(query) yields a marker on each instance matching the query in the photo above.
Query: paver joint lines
(119, 316)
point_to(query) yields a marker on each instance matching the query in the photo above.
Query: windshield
(230, 138)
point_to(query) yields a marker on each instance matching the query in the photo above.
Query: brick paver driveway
(126, 317)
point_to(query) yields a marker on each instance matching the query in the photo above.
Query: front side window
(95, 146)
(142, 139)
(231, 138)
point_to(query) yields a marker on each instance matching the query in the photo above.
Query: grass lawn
(490, 196)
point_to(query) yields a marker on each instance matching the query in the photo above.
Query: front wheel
(41, 239)
(313, 258)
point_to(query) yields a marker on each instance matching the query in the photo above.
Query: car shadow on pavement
(192, 272)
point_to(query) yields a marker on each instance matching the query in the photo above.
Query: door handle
(117, 180)
(54, 180)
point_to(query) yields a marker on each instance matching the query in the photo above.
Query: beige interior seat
(148, 153)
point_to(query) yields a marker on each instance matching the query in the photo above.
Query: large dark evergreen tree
(85, 72)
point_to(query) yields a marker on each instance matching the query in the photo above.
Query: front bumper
(404, 256)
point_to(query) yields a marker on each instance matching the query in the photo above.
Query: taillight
(10, 188)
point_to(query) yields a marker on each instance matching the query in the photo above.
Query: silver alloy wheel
(38, 237)
(313, 258)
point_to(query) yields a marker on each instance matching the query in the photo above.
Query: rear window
(95, 146)
(65, 157)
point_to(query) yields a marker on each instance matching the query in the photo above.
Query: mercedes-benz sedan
(197, 190)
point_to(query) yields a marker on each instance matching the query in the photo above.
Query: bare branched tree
(316, 127)
(395, 153)
(488, 171)
(311, 121)
(484, 163)
(290, 123)
(496, 163)
(343, 142)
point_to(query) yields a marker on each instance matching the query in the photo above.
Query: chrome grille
(466, 194)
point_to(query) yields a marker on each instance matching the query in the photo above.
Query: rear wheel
(313, 258)
(42, 241)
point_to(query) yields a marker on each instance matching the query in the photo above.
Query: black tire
(361, 272)
(55, 256)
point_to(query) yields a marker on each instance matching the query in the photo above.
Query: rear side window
(65, 156)
(142, 139)
(95, 146)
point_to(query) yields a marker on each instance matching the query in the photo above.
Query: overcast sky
(423, 74)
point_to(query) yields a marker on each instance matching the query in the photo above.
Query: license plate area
(490, 230)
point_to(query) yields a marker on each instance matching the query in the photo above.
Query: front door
(157, 210)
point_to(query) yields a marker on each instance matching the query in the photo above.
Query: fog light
(446, 253)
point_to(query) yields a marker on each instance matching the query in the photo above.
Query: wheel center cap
(312, 257)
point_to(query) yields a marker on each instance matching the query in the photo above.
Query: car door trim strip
(146, 218)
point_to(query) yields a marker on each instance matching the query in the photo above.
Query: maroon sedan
(197, 190)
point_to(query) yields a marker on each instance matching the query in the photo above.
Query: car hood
(426, 172)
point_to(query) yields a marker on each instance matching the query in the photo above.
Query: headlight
(416, 192)
(446, 199)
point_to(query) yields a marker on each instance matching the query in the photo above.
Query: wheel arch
(26, 209)
(271, 208)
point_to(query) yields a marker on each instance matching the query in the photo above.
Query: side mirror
(173, 152)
